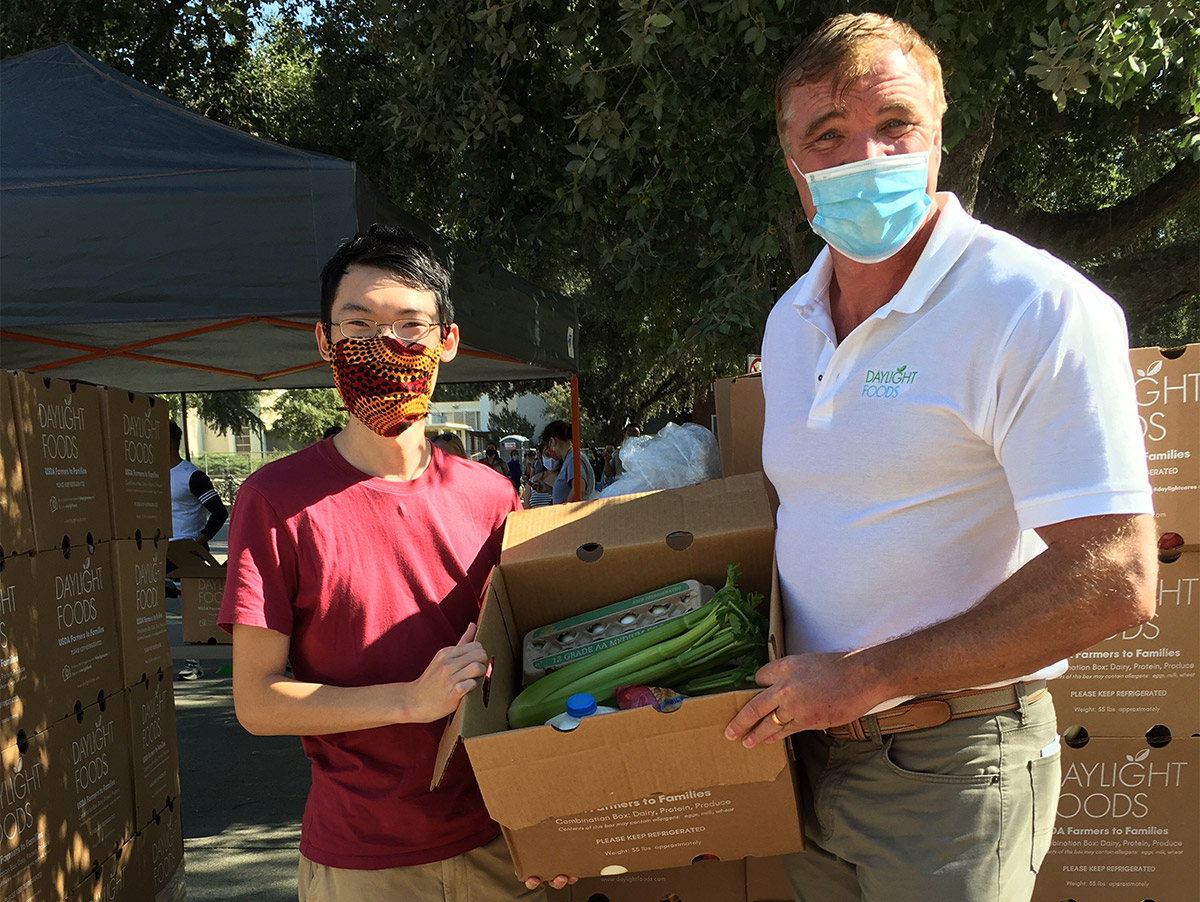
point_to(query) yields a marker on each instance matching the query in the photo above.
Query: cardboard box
(740, 414)
(1168, 398)
(1146, 675)
(202, 580)
(30, 871)
(136, 453)
(157, 858)
(22, 689)
(1128, 825)
(65, 799)
(154, 743)
(635, 790)
(62, 454)
(747, 880)
(138, 576)
(112, 880)
(74, 646)
(16, 522)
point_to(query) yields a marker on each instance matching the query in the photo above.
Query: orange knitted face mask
(385, 382)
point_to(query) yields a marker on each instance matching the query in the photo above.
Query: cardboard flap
(627, 520)
(617, 758)
(187, 558)
(485, 709)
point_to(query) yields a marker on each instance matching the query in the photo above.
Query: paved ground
(242, 795)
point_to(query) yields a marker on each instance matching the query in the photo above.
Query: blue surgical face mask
(870, 209)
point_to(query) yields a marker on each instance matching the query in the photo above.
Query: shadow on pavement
(242, 796)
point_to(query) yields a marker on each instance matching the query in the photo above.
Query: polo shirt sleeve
(260, 581)
(1066, 429)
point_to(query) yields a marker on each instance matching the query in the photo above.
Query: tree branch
(1078, 235)
(1150, 281)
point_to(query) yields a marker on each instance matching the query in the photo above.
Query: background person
(197, 511)
(937, 393)
(557, 437)
(363, 560)
(451, 444)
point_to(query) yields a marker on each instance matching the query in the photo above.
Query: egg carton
(557, 644)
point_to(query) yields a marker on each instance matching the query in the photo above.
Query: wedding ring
(778, 722)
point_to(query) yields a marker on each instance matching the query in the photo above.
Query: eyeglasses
(366, 329)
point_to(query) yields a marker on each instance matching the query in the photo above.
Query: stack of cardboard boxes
(1128, 823)
(89, 795)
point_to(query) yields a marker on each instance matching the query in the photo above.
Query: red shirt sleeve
(261, 577)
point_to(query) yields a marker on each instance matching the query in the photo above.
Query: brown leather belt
(935, 710)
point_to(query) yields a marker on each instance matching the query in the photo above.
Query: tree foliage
(507, 421)
(303, 414)
(623, 151)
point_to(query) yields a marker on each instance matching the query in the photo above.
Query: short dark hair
(396, 251)
(175, 433)
(556, 429)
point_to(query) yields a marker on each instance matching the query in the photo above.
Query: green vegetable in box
(715, 648)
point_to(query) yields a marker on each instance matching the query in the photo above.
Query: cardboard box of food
(154, 744)
(22, 689)
(158, 857)
(138, 568)
(31, 863)
(112, 880)
(202, 580)
(62, 455)
(1168, 397)
(1145, 676)
(74, 647)
(634, 790)
(1128, 824)
(136, 454)
(16, 521)
(65, 797)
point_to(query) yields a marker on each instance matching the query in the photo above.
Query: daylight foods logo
(1163, 392)
(887, 383)
(1116, 789)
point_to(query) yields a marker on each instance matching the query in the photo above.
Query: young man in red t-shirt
(362, 560)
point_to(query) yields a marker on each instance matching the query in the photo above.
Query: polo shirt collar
(951, 236)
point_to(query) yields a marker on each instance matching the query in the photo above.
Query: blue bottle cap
(581, 705)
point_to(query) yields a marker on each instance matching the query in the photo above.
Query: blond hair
(843, 49)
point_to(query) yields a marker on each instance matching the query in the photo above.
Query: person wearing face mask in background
(556, 436)
(952, 431)
(362, 560)
(545, 472)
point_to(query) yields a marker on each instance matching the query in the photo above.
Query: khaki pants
(481, 875)
(961, 812)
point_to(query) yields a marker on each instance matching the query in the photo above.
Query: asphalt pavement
(242, 796)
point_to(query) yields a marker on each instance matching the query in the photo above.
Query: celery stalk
(727, 628)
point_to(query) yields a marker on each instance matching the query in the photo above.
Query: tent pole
(575, 438)
(187, 450)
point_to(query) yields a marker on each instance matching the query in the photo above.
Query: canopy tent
(146, 247)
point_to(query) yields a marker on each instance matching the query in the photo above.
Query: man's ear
(450, 344)
(323, 342)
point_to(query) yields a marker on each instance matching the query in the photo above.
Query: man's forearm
(1079, 591)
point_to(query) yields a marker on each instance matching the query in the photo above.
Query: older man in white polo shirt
(952, 431)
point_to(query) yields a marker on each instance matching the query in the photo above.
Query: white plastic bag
(675, 457)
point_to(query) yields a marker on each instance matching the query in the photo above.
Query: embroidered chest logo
(887, 383)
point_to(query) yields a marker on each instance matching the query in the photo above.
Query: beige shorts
(481, 875)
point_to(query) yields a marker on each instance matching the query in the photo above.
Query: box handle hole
(1075, 737)
(1158, 736)
(679, 540)
(590, 552)
(486, 689)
